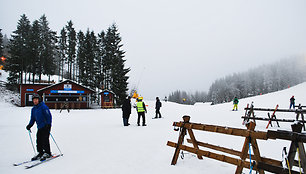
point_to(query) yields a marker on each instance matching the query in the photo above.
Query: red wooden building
(68, 93)
(107, 99)
(56, 96)
(26, 92)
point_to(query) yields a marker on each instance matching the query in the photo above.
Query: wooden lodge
(67, 93)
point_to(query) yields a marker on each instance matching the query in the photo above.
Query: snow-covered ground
(95, 140)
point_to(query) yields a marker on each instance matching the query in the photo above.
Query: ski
(44, 161)
(24, 162)
(272, 117)
(157, 117)
(246, 114)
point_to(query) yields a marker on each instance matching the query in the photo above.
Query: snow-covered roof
(106, 90)
(71, 81)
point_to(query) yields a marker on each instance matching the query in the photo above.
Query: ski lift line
(141, 74)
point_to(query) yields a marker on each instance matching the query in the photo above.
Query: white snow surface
(95, 140)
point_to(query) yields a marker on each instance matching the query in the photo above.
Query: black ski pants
(157, 111)
(42, 140)
(141, 114)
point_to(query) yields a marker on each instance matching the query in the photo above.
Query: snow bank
(3, 76)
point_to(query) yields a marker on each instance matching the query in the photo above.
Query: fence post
(296, 144)
(180, 140)
(193, 140)
(245, 149)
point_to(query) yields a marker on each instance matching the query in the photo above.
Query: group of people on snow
(236, 101)
(41, 115)
(141, 110)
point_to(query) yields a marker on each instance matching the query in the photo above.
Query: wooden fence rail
(250, 115)
(256, 162)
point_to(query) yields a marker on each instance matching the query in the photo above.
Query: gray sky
(178, 44)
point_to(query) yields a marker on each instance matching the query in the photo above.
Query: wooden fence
(250, 115)
(257, 162)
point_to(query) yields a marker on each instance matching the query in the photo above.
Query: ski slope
(95, 141)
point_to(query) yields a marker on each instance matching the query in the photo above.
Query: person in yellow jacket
(141, 110)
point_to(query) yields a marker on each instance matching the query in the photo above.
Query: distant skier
(158, 105)
(292, 102)
(126, 111)
(41, 115)
(141, 110)
(235, 102)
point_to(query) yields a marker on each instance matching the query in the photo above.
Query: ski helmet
(36, 96)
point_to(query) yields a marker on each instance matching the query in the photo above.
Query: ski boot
(45, 156)
(37, 157)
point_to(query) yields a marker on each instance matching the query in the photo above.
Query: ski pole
(56, 144)
(250, 152)
(251, 169)
(32, 142)
(299, 160)
(286, 158)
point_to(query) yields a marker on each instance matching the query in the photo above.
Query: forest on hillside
(257, 81)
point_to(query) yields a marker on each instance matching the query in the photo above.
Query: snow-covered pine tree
(261, 80)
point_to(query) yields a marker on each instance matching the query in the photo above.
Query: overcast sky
(180, 44)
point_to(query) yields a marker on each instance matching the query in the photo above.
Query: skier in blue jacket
(41, 115)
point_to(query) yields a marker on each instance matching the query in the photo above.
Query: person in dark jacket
(126, 111)
(40, 114)
(157, 108)
(292, 102)
(141, 110)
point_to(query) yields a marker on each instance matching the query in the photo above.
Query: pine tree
(48, 49)
(19, 51)
(35, 45)
(62, 45)
(101, 54)
(1, 44)
(71, 51)
(90, 56)
(81, 57)
(117, 73)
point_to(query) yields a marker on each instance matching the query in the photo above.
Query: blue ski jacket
(41, 115)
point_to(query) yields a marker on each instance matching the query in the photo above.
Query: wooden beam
(286, 135)
(236, 152)
(180, 141)
(302, 156)
(256, 153)
(212, 155)
(297, 146)
(278, 110)
(272, 119)
(275, 169)
(194, 141)
(224, 130)
(245, 148)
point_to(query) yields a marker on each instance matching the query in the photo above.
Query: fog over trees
(261, 80)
